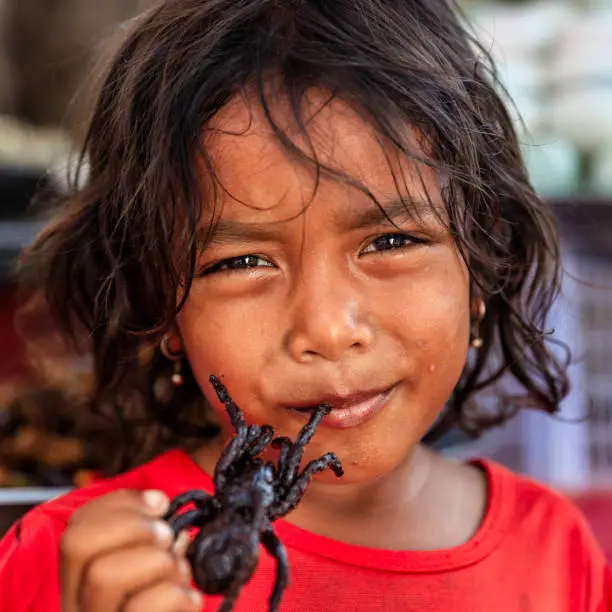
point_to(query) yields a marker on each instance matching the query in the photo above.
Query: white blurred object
(584, 115)
(26, 145)
(521, 29)
(519, 38)
(581, 74)
(554, 165)
(522, 80)
(584, 49)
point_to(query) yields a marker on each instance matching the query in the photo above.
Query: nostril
(308, 356)
(329, 339)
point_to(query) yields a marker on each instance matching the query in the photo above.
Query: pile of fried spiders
(250, 494)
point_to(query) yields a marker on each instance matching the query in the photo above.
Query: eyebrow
(226, 231)
(394, 211)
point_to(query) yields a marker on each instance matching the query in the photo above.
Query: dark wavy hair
(124, 243)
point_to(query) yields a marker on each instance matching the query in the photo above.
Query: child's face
(328, 303)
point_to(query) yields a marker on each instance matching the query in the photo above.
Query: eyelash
(408, 241)
(223, 266)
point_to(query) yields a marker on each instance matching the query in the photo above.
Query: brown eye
(391, 242)
(236, 264)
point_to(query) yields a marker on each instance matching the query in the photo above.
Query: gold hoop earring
(481, 310)
(176, 358)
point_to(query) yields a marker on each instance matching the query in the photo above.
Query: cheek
(445, 325)
(446, 349)
(434, 322)
(225, 341)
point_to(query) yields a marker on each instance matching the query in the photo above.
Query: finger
(164, 597)
(181, 544)
(151, 503)
(109, 580)
(92, 534)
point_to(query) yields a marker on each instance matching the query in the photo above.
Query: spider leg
(275, 547)
(198, 497)
(265, 437)
(230, 454)
(235, 414)
(306, 433)
(191, 518)
(293, 458)
(236, 447)
(253, 434)
(242, 575)
(244, 455)
(284, 444)
(228, 603)
(250, 449)
(298, 486)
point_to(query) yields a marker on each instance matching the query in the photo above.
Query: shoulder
(547, 526)
(29, 551)
(533, 505)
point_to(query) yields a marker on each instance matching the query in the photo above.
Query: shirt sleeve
(597, 570)
(29, 572)
(606, 605)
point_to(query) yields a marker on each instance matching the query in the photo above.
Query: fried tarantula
(249, 495)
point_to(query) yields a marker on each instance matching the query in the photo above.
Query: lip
(352, 411)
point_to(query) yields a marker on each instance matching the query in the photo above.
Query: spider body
(249, 495)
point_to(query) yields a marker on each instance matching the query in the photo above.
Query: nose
(329, 318)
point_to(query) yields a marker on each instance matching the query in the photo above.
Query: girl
(316, 200)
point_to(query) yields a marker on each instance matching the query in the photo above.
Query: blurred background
(555, 58)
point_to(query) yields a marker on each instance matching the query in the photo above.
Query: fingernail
(196, 597)
(156, 500)
(162, 532)
(182, 543)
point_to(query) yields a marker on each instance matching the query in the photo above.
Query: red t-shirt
(533, 552)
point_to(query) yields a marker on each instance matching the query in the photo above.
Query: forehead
(257, 171)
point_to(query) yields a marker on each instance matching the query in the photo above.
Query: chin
(363, 464)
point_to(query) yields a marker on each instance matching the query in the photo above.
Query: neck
(399, 487)
(384, 512)
(369, 512)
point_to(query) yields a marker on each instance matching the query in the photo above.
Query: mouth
(349, 411)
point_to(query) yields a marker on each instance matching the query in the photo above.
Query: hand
(117, 555)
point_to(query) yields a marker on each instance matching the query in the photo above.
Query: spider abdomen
(220, 561)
